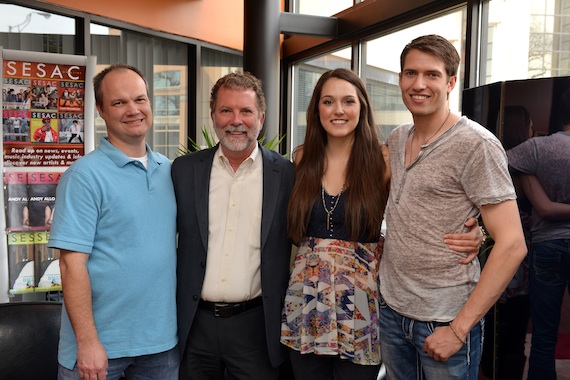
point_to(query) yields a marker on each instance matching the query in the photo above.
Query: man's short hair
(436, 46)
(239, 81)
(98, 80)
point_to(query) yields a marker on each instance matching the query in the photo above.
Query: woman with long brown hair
(335, 215)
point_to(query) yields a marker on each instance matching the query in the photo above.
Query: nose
(338, 108)
(419, 82)
(236, 119)
(133, 108)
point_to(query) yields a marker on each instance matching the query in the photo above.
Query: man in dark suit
(233, 250)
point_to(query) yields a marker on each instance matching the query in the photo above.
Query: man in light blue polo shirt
(115, 223)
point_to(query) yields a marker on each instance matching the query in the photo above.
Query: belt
(229, 309)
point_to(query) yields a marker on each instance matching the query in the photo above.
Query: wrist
(462, 340)
(483, 234)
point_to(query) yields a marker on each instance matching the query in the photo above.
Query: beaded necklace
(330, 212)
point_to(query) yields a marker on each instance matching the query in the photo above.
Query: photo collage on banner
(43, 119)
(30, 203)
(42, 114)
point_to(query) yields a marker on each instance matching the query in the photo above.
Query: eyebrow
(341, 97)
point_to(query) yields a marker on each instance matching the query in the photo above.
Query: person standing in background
(506, 325)
(546, 158)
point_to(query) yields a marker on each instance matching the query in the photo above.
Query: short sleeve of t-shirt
(486, 177)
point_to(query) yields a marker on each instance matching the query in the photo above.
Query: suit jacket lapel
(202, 187)
(271, 186)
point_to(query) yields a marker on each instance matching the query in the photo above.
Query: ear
(100, 110)
(262, 119)
(451, 83)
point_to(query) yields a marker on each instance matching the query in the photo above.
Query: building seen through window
(520, 39)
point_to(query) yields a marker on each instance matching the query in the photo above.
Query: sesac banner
(43, 113)
(47, 124)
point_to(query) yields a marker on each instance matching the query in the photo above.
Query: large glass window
(317, 8)
(165, 65)
(526, 39)
(305, 77)
(383, 66)
(380, 73)
(214, 65)
(23, 28)
(521, 39)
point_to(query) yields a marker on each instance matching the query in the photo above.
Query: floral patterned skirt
(331, 305)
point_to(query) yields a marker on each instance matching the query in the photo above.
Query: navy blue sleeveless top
(318, 221)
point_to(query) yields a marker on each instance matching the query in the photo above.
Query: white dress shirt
(233, 267)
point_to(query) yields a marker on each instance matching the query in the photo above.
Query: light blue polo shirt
(124, 216)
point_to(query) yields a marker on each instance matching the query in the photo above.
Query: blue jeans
(147, 367)
(549, 276)
(401, 344)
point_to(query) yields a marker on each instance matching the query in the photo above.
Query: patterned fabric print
(331, 305)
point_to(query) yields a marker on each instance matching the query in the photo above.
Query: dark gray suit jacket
(191, 177)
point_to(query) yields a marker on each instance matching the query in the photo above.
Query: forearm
(552, 210)
(503, 224)
(540, 201)
(77, 289)
(92, 360)
(499, 269)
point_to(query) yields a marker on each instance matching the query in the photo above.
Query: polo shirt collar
(120, 159)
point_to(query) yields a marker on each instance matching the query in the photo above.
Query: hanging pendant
(329, 212)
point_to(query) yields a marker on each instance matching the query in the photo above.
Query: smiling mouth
(235, 131)
(337, 121)
(419, 97)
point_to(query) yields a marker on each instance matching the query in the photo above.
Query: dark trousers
(232, 348)
(549, 279)
(505, 339)
(322, 367)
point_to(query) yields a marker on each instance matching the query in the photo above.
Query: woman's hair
(516, 125)
(367, 188)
